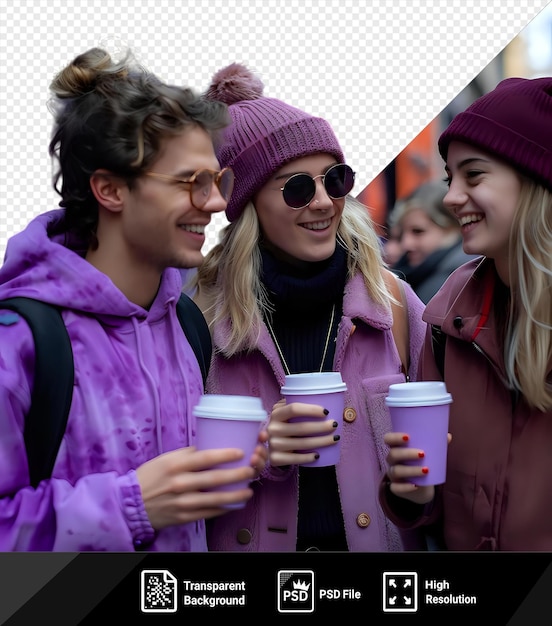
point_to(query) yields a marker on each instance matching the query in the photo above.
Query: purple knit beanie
(514, 123)
(264, 134)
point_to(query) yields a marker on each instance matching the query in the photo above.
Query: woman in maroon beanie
(496, 316)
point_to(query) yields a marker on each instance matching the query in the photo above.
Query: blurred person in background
(391, 245)
(430, 239)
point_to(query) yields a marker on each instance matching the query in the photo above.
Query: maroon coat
(498, 493)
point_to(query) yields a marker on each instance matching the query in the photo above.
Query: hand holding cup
(418, 444)
(313, 396)
(286, 434)
(177, 486)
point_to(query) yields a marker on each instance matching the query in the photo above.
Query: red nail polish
(425, 470)
(421, 455)
(405, 438)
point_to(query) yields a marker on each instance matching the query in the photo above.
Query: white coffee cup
(421, 410)
(229, 421)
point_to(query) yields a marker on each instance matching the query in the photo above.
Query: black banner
(510, 589)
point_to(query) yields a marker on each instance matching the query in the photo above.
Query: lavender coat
(136, 379)
(368, 360)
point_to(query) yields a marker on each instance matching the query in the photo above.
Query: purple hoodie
(136, 381)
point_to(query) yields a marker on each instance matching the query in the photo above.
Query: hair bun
(234, 83)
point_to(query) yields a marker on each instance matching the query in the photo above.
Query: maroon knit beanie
(264, 134)
(514, 123)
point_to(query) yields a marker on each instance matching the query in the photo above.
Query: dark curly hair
(115, 116)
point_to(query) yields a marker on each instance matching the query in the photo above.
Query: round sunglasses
(300, 189)
(201, 184)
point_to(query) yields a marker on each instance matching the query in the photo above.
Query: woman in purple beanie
(297, 284)
(496, 316)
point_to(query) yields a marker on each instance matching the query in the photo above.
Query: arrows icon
(400, 592)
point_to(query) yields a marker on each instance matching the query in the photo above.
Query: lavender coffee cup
(421, 410)
(326, 389)
(228, 421)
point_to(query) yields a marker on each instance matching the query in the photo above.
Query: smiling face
(483, 194)
(307, 234)
(160, 227)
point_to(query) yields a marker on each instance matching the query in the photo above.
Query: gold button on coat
(349, 414)
(363, 520)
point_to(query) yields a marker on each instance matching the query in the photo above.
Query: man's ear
(108, 189)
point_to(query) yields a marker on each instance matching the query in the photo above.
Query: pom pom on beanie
(234, 83)
(513, 122)
(264, 134)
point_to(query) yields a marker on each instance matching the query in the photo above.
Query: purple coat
(136, 379)
(368, 360)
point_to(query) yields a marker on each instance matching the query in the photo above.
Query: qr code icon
(158, 590)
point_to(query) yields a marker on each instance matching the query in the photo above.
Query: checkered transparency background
(378, 71)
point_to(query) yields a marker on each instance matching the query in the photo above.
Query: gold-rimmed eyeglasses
(201, 184)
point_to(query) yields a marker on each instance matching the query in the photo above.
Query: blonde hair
(528, 333)
(229, 283)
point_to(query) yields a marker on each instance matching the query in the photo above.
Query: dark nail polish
(337, 437)
(326, 412)
(335, 424)
(316, 456)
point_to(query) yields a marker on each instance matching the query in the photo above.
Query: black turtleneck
(302, 296)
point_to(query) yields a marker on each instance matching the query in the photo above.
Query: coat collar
(357, 305)
(461, 307)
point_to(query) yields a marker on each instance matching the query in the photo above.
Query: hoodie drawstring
(153, 386)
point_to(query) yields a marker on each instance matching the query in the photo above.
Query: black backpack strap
(195, 327)
(438, 341)
(52, 393)
(53, 384)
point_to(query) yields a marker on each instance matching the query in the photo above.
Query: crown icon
(301, 585)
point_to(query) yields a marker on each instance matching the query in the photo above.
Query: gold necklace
(273, 335)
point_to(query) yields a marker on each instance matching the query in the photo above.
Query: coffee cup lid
(219, 406)
(420, 393)
(312, 383)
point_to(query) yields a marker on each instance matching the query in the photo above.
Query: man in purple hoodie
(139, 181)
